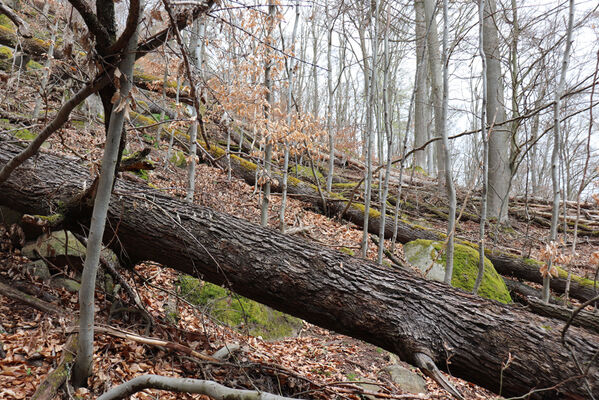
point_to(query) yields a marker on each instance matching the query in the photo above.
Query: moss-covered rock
(5, 52)
(424, 255)
(54, 244)
(34, 65)
(237, 311)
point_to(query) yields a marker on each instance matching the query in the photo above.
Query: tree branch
(130, 26)
(92, 22)
(209, 388)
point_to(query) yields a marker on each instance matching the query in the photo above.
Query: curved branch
(209, 388)
(92, 22)
(61, 117)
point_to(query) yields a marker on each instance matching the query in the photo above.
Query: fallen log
(33, 46)
(505, 263)
(488, 343)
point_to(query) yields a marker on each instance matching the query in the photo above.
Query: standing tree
(499, 137)
(123, 80)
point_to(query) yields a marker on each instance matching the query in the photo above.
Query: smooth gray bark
(436, 77)
(449, 186)
(485, 156)
(212, 389)
(420, 122)
(499, 137)
(272, 9)
(290, 73)
(83, 363)
(556, 145)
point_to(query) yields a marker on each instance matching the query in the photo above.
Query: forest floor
(314, 364)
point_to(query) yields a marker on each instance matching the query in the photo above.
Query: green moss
(344, 185)
(347, 251)
(34, 65)
(5, 21)
(236, 311)
(465, 266)
(178, 159)
(141, 120)
(143, 174)
(250, 166)
(5, 52)
(306, 173)
(78, 123)
(418, 169)
(142, 76)
(372, 212)
(24, 134)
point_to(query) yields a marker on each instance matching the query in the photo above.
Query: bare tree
(556, 148)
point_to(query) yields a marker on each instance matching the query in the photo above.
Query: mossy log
(505, 263)
(33, 46)
(392, 309)
(48, 389)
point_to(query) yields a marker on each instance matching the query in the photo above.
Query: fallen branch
(120, 333)
(208, 388)
(49, 387)
(31, 301)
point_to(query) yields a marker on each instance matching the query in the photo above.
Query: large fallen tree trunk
(480, 340)
(505, 263)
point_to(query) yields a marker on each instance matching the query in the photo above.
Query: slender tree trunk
(369, 127)
(483, 130)
(290, 73)
(556, 145)
(330, 104)
(83, 364)
(420, 123)
(434, 61)
(389, 135)
(499, 138)
(446, 155)
(272, 9)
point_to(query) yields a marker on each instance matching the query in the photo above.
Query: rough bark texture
(389, 308)
(505, 263)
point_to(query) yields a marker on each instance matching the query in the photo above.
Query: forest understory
(147, 320)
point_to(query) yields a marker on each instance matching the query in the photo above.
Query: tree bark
(499, 138)
(389, 308)
(505, 263)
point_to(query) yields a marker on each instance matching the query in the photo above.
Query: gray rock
(68, 284)
(38, 268)
(371, 388)
(54, 245)
(409, 381)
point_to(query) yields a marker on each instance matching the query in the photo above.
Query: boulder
(424, 254)
(408, 380)
(58, 247)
